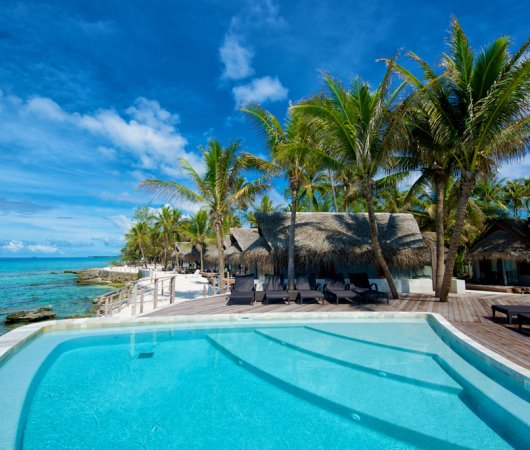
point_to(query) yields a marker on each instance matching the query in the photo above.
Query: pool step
(367, 398)
(420, 369)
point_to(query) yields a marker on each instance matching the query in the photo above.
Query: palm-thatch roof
(339, 239)
(504, 239)
(211, 255)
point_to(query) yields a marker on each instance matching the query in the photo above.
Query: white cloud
(107, 152)
(145, 130)
(259, 90)
(236, 59)
(13, 246)
(122, 221)
(17, 246)
(41, 248)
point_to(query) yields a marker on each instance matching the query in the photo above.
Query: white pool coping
(11, 342)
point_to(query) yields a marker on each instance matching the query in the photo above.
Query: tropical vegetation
(426, 140)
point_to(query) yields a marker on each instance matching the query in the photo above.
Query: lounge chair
(509, 310)
(243, 289)
(275, 289)
(523, 318)
(360, 283)
(308, 289)
(336, 289)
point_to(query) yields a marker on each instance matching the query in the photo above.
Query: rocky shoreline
(103, 277)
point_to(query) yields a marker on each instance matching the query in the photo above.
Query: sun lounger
(523, 318)
(307, 289)
(336, 289)
(509, 310)
(243, 290)
(275, 289)
(360, 283)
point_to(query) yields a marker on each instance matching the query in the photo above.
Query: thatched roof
(244, 237)
(504, 239)
(340, 239)
(211, 255)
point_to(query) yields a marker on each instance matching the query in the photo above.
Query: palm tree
(199, 232)
(484, 115)
(516, 195)
(293, 148)
(362, 129)
(139, 236)
(218, 189)
(265, 205)
(165, 223)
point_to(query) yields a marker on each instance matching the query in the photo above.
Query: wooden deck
(470, 313)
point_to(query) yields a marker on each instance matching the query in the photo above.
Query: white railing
(135, 295)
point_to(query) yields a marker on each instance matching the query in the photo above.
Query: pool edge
(14, 340)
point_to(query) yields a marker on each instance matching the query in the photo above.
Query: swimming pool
(299, 383)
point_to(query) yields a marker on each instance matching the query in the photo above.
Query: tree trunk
(467, 184)
(440, 185)
(335, 206)
(220, 252)
(292, 231)
(368, 195)
(143, 256)
(202, 258)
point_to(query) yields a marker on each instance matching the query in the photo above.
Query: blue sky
(96, 96)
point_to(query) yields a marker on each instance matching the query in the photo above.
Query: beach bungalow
(501, 255)
(332, 243)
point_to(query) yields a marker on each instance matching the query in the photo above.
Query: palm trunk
(368, 194)
(439, 224)
(220, 252)
(335, 206)
(202, 258)
(468, 182)
(143, 256)
(292, 231)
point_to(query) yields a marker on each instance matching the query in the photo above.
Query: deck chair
(243, 290)
(360, 283)
(509, 310)
(275, 289)
(336, 289)
(307, 288)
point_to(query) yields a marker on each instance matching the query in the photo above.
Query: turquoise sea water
(30, 283)
(320, 385)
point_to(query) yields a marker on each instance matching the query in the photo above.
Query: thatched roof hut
(505, 240)
(338, 239)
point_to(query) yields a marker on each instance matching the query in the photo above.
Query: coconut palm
(515, 193)
(218, 188)
(199, 232)
(484, 115)
(165, 224)
(294, 148)
(265, 205)
(139, 236)
(362, 128)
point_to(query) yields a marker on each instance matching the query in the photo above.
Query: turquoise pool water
(361, 384)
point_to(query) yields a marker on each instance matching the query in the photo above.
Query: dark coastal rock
(103, 277)
(36, 315)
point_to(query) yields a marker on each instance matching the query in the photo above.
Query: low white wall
(419, 285)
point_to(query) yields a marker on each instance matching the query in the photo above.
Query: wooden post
(172, 290)
(155, 294)
(134, 298)
(142, 301)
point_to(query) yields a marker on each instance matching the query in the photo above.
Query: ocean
(31, 283)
